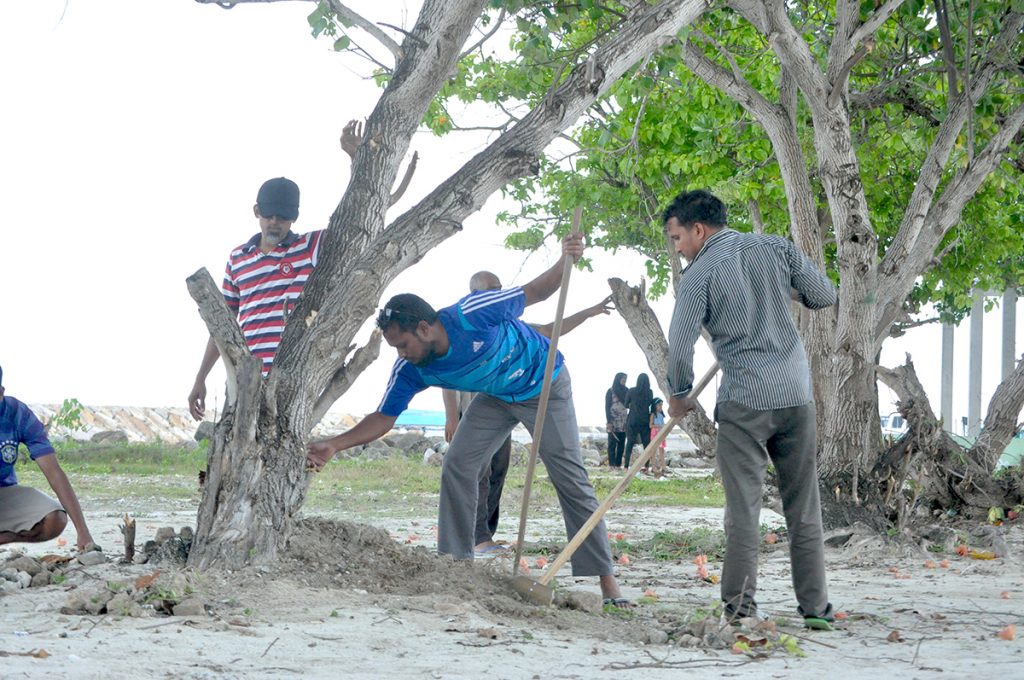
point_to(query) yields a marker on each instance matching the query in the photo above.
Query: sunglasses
(387, 313)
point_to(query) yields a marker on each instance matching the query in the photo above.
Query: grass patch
(131, 459)
(375, 485)
(396, 486)
(673, 546)
(694, 492)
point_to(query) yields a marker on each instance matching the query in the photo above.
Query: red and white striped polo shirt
(261, 288)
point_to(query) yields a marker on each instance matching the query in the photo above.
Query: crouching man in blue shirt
(480, 345)
(26, 514)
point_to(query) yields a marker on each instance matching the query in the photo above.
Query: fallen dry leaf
(928, 564)
(620, 537)
(982, 555)
(624, 559)
(771, 539)
(146, 580)
(523, 565)
(944, 564)
(841, 615)
(62, 542)
(961, 549)
(55, 559)
(489, 633)
(894, 636)
(541, 562)
(650, 593)
(1008, 633)
(1005, 594)
(753, 640)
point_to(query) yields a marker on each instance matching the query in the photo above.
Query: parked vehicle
(893, 425)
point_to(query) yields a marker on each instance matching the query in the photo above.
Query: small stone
(40, 579)
(205, 430)
(192, 606)
(9, 574)
(7, 586)
(656, 636)
(26, 564)
(24, 579)
(582, 600)
(163, 534)
(120, 605)
(186, 533)
(96, 603)
(91, 559)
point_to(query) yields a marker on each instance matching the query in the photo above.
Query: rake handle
(584, 532)
(545, 393)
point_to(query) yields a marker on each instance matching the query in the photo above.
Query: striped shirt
(261, 288)
(738, 288)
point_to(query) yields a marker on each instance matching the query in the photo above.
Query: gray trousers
(747, 439)
(484, 426)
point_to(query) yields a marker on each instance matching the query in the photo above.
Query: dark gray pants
(486, 423)
(492, 482)
(747, 439)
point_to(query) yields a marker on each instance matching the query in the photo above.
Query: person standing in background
(615, 412)
(638, 427)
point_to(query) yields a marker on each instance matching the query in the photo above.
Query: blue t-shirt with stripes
(490, 350)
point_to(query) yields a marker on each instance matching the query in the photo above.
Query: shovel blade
(532, 591)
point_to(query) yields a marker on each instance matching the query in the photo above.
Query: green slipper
(817, 623)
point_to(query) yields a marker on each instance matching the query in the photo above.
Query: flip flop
(817, 623)
(492, 551)
(619, 602)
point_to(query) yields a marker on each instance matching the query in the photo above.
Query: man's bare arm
(373, 426)
(571, 322)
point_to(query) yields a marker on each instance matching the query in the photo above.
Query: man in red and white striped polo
(263, 278)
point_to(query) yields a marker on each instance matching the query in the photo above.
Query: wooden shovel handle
(545, 393)
(566, 554)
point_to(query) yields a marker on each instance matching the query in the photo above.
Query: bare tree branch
(487, 36)
(345, 376)
(356, 19)
(400, 191)
(224, 330)
(874, 22)
(948, 55)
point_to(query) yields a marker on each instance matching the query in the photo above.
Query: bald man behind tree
(492, 481)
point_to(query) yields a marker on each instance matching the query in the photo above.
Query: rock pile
(18, 571)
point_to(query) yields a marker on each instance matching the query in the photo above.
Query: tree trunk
(631, 303)
(1002, 420)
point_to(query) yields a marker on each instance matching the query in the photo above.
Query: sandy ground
(318, 618)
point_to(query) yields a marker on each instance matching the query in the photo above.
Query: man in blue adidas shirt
(480, 345)
(26, 514)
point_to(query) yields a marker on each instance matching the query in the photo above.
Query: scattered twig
(269, 646)
(158, 625)
(689, 663)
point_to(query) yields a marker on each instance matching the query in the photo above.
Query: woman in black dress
(637, 422)
(615, 411)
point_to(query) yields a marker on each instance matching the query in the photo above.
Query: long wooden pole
(598, 515)
(545, 393)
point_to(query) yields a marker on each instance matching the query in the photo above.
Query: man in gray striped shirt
(738, 286)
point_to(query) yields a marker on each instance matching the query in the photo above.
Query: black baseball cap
(279, 196)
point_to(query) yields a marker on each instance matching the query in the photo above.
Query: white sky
(133, 138)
